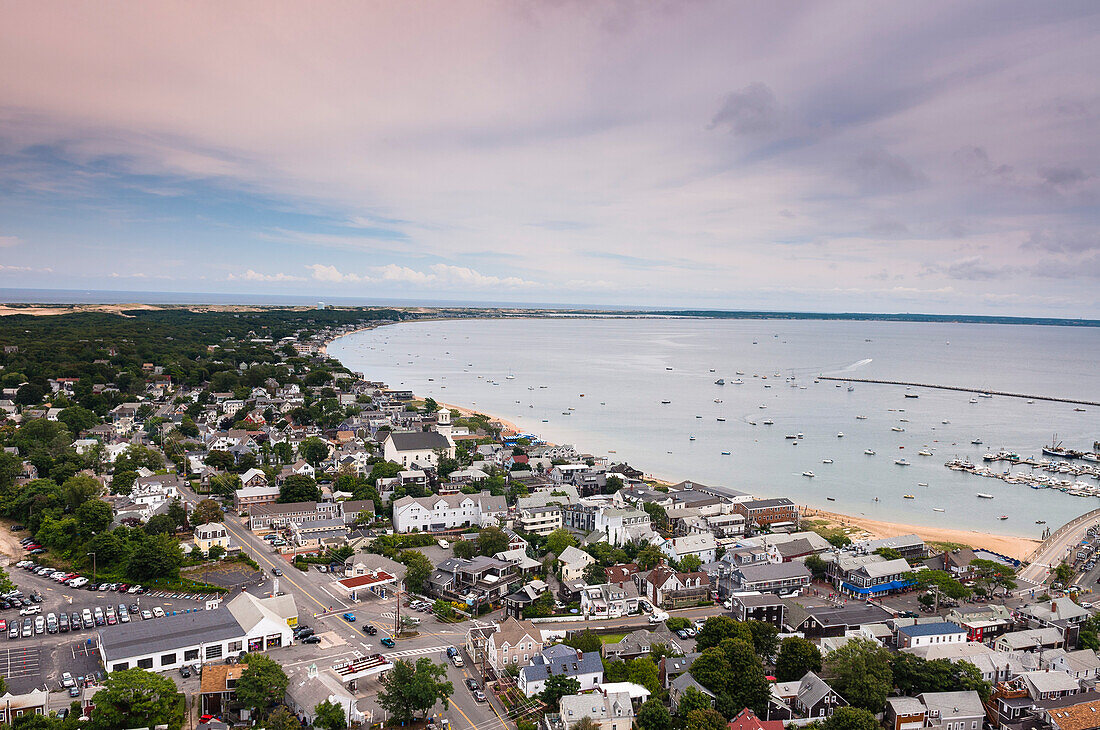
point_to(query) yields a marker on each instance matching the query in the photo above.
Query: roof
(564, 661)
(812, 689)
(685, 680)
(767, 503)
(367, 580)
(216, 676)
(572, 555)
(1051, 681)
(1082, 716)
(953, 704)
(747, 720)
(596, 706)
(169, 633)
(419, 440)
(773, 571)
(511, 632)
(937, 629)
(1027, 639)
(905, 705)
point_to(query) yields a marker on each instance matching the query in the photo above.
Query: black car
(76, 621)
(370, 630)
(471, 684)
(17, 528)
(304, 633)
(185, 671)
(312, 640)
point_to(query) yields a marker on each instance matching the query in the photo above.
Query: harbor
(983, 392)
(1068, 476)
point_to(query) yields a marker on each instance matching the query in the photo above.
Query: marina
(1067, 477)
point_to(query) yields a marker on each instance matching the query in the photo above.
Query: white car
(30, 610)
(67, 680)
(78, 582)
(456, 660)
(158, 611)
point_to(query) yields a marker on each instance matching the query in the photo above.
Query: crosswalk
(416, 652)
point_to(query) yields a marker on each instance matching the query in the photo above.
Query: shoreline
(1009, 545)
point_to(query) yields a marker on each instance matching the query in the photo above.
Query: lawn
(611, 638)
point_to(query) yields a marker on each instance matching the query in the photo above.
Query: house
(904, 713)
(818, 621)
(247, 497)
(907, 546)
(210, 534)
(561, 660)
(609, 710)
(943, 632)
(1080, 664)
(476, 581)
(540, 520)
(983, 624)
(35, 702)
(766, 607)
(994, 666)
(747, 720)
(665, 587)
(1061, 613)
(671, 667)
(245, 623)
(1078, 716)
(678, 686)
(1031, 640)
(779, 578)
(516, 603)
(274, 516)
(767, 512)
(815, 698)
(622, 525)
(702, 546)
(609, 600)
(510, 642)
(254, 478)
(873, 576)
(420, 448)
(218, 688)
(953, 710)
(1049, 685)
(639, 643)
(573, 562)
(447, 511)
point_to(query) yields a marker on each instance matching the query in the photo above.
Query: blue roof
(894, 585)
(944, 627)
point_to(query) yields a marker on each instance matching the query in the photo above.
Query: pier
(962, 389)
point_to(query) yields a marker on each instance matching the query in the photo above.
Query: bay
(599, 383)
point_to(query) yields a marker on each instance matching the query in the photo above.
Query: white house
(702, 546)
(573, 563)
(610, 710)
(561, 660)
(623, 525)
(447, 511)
(609, 600)
(417, 447)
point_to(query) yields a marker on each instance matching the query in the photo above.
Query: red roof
(365, 580)
(747, 720)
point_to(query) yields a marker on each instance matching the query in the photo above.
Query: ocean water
(599, 384)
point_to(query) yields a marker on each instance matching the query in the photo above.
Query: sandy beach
(1014, 547)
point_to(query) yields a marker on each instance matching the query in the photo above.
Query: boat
(851, 388)
(911, 395)
(840, 434)
(712, 370)
(1003, 517)
(869, 452)
(945, 421)
(826, 461)
(902, 462)
(739, 381)
(717, 400)
(1079, 410)
(924, 452)
(790, 436)
(808, 474)
(831, 499)
(1030, 402)
(665, 402)
(721, 420)
(725, 453)
(762, 406)
(977, 442)
(698, 416)
(668, 368)
(899, 429)
(720, 381)
(922, 484)
(861, 418)
(768, 422)
(509, 377)
(908, 496)
(983, 495)
(691, 438)
(986, 395)
(973, 400)
(1040, 522)
(937, 509)
(740, 372)
(800, 435)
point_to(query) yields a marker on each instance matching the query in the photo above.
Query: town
(243, 532)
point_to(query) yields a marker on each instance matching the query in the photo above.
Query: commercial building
(447, 511)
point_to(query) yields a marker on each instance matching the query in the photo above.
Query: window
(167, 659)
(190, 654)
(213, 651)
(121, 666)
(145, 663)
(235, 646)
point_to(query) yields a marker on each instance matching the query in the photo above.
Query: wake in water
(847, 368)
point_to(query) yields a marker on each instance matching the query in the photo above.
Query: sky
(934, 157)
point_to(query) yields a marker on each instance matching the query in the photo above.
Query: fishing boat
(808, 474)
(869, 452)
(840, 434)
(826, 461)
(983, 495)
(762, 406)
(908, 496)
(901, 462)
(698, 416)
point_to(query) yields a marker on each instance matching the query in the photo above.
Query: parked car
(13, 632)
(312, 640)
(146, 614)
(75, 622)
(276, 571)
(456, 660)
(67, 680)
(30, 610)
(158, 611)
(63, 623)
(39, 625)
(471, 684)
(185, 671)
(51, 623)
(3, 625)
(28, 628)
(100, 619)
(479, 696)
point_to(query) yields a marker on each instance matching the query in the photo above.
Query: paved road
(1058, 547)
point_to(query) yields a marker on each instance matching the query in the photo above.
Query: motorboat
(937, 509)
(725, 453)
(1040, 522)
(1003, 517)
(977, 442)
(924, 452)
(768, 422)
(739, 381)
(826, 461)
(800, 435)
(911, 395)
(665, 402)
(902, 462)
(861, 418)
(983, 495)
(720, 381)
(899, 429)
(808, 474)
(840, 434)
(908, 496)
(973, 400)
(721, 420)
(717, 400)
(869, 452)
(922, 484)
(986, 395)
(691, 437)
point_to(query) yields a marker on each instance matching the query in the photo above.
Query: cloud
(974, 268)
(879, 171)
(322, 272)
(252, 275)
(438, 275)
(1062, 176)
(6, 241)
(749, 111)
(1063, 241)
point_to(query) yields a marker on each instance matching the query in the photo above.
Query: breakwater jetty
(962, 389)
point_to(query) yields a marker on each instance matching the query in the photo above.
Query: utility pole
(93, 566)
(397, 610)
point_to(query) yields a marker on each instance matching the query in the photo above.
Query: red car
(32, 546)
(3, 625)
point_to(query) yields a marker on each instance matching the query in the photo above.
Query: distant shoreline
(1013, 546)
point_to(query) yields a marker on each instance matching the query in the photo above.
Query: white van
(77, 582)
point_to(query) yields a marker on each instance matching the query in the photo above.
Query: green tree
(649, 557)
(206, 511)
(123, 482)
(690, 700)
(889, 553)
(556, 687)
(95, 515)
(137, 698)
(707, 719)
(941, 583)
(1088, 633)
(718, 628)
(217, 552)
(861, 673)
(299, 488)
(314, 451)
(430, 407)
(330, 716)
(765, 639)
(465, 549)
(796, 657)
(654, 716)
(492, 540)
(417, 569)
(558, 540)
(818, 567)
(77, 418)
(178, 513)
(993, 575)
(690, 563)
(160, 525)
(414, 688)
(1063, 573)
(593, 574)
(221, 460)
(850, 718)
(643, 671)
(585, 641)
(79, 489)
(159, 556)
(281, 718)
(262, 684)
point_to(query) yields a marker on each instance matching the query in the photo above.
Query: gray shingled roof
(418, 440)
(168, 633)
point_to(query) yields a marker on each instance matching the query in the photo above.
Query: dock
(962, 389)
